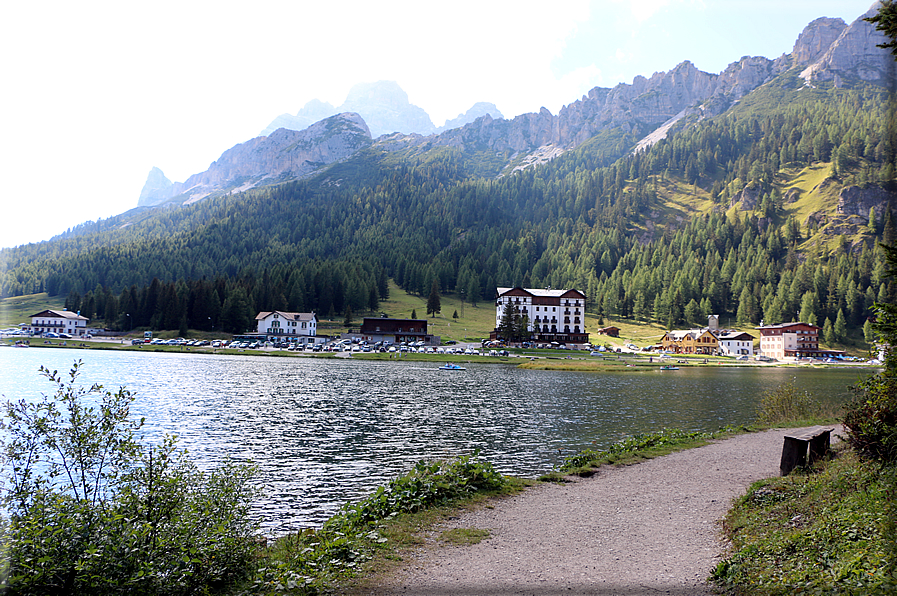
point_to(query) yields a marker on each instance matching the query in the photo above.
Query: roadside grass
(368, 538)
(635, 449)
(464, 536)
(829, 529)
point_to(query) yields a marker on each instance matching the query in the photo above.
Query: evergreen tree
(433, 302)
(809, 304)
(236, 316)
(508, 325)
(413, 313)
(840, 328)
(868, 333)
(828, 332)
(692, 312)
(455, 314)
(347, 321)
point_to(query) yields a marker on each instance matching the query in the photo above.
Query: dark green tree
(433, 302)
(347, 321)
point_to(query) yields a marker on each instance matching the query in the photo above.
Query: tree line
(575, 222)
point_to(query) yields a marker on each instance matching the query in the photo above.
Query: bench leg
(819, 446)
(794, 453)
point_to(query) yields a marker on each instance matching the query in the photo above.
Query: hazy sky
(94, 94)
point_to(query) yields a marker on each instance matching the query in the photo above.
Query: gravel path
(650, 528)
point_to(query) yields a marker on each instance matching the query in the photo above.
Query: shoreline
(531, 360)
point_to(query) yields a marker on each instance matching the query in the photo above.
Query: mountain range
(296, 147)
(760, 192)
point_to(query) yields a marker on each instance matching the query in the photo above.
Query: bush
(308, 562)
(871, 419)
(93, 511)
(786, 404)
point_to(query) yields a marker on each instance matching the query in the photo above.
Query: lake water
(324, 432)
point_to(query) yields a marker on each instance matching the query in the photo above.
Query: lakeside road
(650, 528)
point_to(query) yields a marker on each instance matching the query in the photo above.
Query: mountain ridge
(828, 51)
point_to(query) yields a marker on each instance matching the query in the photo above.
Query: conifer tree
(433, 302)
(828, 332)
(840, 327)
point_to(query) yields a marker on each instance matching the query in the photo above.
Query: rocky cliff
(826, 52)
(283, 155)
(156, 189)
(854, 54)
(478, 110)
(383, 105)
(314, 111)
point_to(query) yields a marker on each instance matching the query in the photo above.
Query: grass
(635, 449)
(18, 309)
(825, 530)
(464, 536)
(372, 535)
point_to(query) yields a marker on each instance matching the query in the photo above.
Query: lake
(324, 432)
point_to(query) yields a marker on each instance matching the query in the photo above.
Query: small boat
(449, 366)
(668, 367)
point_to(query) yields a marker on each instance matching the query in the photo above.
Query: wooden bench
(796, 447)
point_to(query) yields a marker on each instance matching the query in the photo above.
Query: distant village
(524, 317)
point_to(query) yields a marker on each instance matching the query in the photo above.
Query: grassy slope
(19, 309)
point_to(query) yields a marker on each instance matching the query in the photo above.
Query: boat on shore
(668, 367)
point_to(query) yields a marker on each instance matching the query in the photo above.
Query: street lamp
(127, 314)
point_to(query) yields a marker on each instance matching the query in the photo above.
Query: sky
(94, 94)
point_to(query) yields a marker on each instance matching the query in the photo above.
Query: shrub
(309, 561)
(870, 421)
(786, 404)
(93, 511)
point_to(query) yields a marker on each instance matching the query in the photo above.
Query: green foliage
(581, 221)
(871, 418)
(786, 404)
(434, 305)
(667, 438)
(829, 532)
(309, 561)
(92, 511)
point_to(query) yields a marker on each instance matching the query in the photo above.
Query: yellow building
(690, 341)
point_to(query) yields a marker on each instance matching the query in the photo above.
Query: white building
(791, 341)
(58, 321)
(553, 315)
(735, 343)
(291, 326)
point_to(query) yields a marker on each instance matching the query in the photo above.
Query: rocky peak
(386, 109)
(157, 189)
(314, 111)
(478, 110)
(854, 54)
(815, 40)
(282, 155)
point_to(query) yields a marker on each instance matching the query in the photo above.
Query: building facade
(690, 341)
(58, 321)
(735, 343)
(374, 329)
(791, 341)
(301, 327)
(552, 315)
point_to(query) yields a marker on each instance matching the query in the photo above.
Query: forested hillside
(735, 215)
